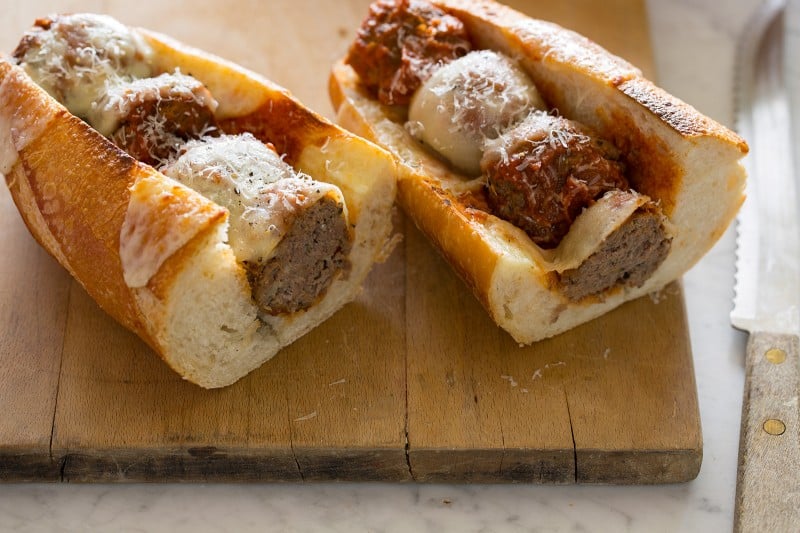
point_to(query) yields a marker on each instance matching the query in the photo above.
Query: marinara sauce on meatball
(401, 43)
(543, 172)
(151, 118)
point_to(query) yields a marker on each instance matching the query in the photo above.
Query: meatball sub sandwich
(199, 204)
(556, 180)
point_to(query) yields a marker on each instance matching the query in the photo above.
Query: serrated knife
(767, 301)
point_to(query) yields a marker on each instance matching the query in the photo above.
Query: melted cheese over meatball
(467, 101)
(121, 99)
(261, 191)
(72, 57)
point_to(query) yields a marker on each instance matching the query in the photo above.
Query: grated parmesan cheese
(74, 58)
(467, 101)
(538, 132)
(120, 97)
(101, 71)
(261, 191)
(510, 379)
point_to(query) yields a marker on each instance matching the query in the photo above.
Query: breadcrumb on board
(309, 416)
(537, 374)
(510, 379)
(663, 294)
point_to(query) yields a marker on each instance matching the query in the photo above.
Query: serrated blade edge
(768, 244)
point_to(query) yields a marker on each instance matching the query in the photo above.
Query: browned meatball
(542, 173)
(399, 45)
(152, 118)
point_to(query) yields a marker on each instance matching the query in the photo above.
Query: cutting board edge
(642, 467)
(134, 465)
(30, 467)
(231, 464)
(204, 464)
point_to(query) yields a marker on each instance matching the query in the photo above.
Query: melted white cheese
(21, 128)
(262, 192)
(146, 239)
(8, 152)
(100, 49)
(538, 132)
(111, 75)
(468, 101)
(121, 97)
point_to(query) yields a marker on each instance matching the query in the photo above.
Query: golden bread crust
(540, 40)
(76, 211)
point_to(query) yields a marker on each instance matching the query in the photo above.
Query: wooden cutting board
(410, 382)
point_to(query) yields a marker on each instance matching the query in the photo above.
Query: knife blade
(767, 300)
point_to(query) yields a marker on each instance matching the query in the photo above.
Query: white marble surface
(694, 41)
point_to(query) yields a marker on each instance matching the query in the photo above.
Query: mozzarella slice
(467, 101)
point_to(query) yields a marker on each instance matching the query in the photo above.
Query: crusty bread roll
(677, 161)
(152, 252)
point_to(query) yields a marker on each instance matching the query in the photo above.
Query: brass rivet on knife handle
(775, 356)
(767, 499)
(774, 427)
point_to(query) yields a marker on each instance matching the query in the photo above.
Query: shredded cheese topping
(121, 97)
(101, 71)
(467, 101)
(78, 54)
(540, 133)
(260, 190)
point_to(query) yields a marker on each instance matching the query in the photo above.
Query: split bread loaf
(556, 199)
(294, 210)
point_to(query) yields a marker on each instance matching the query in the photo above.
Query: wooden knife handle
(768, 483)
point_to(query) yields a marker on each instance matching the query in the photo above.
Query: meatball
(307, 260)
(73, 56)
(542, 173)
(630, 255)
(152, 118)
(467, 101)
(290, 231)
(401, 43)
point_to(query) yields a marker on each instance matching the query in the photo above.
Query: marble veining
(694, 42)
